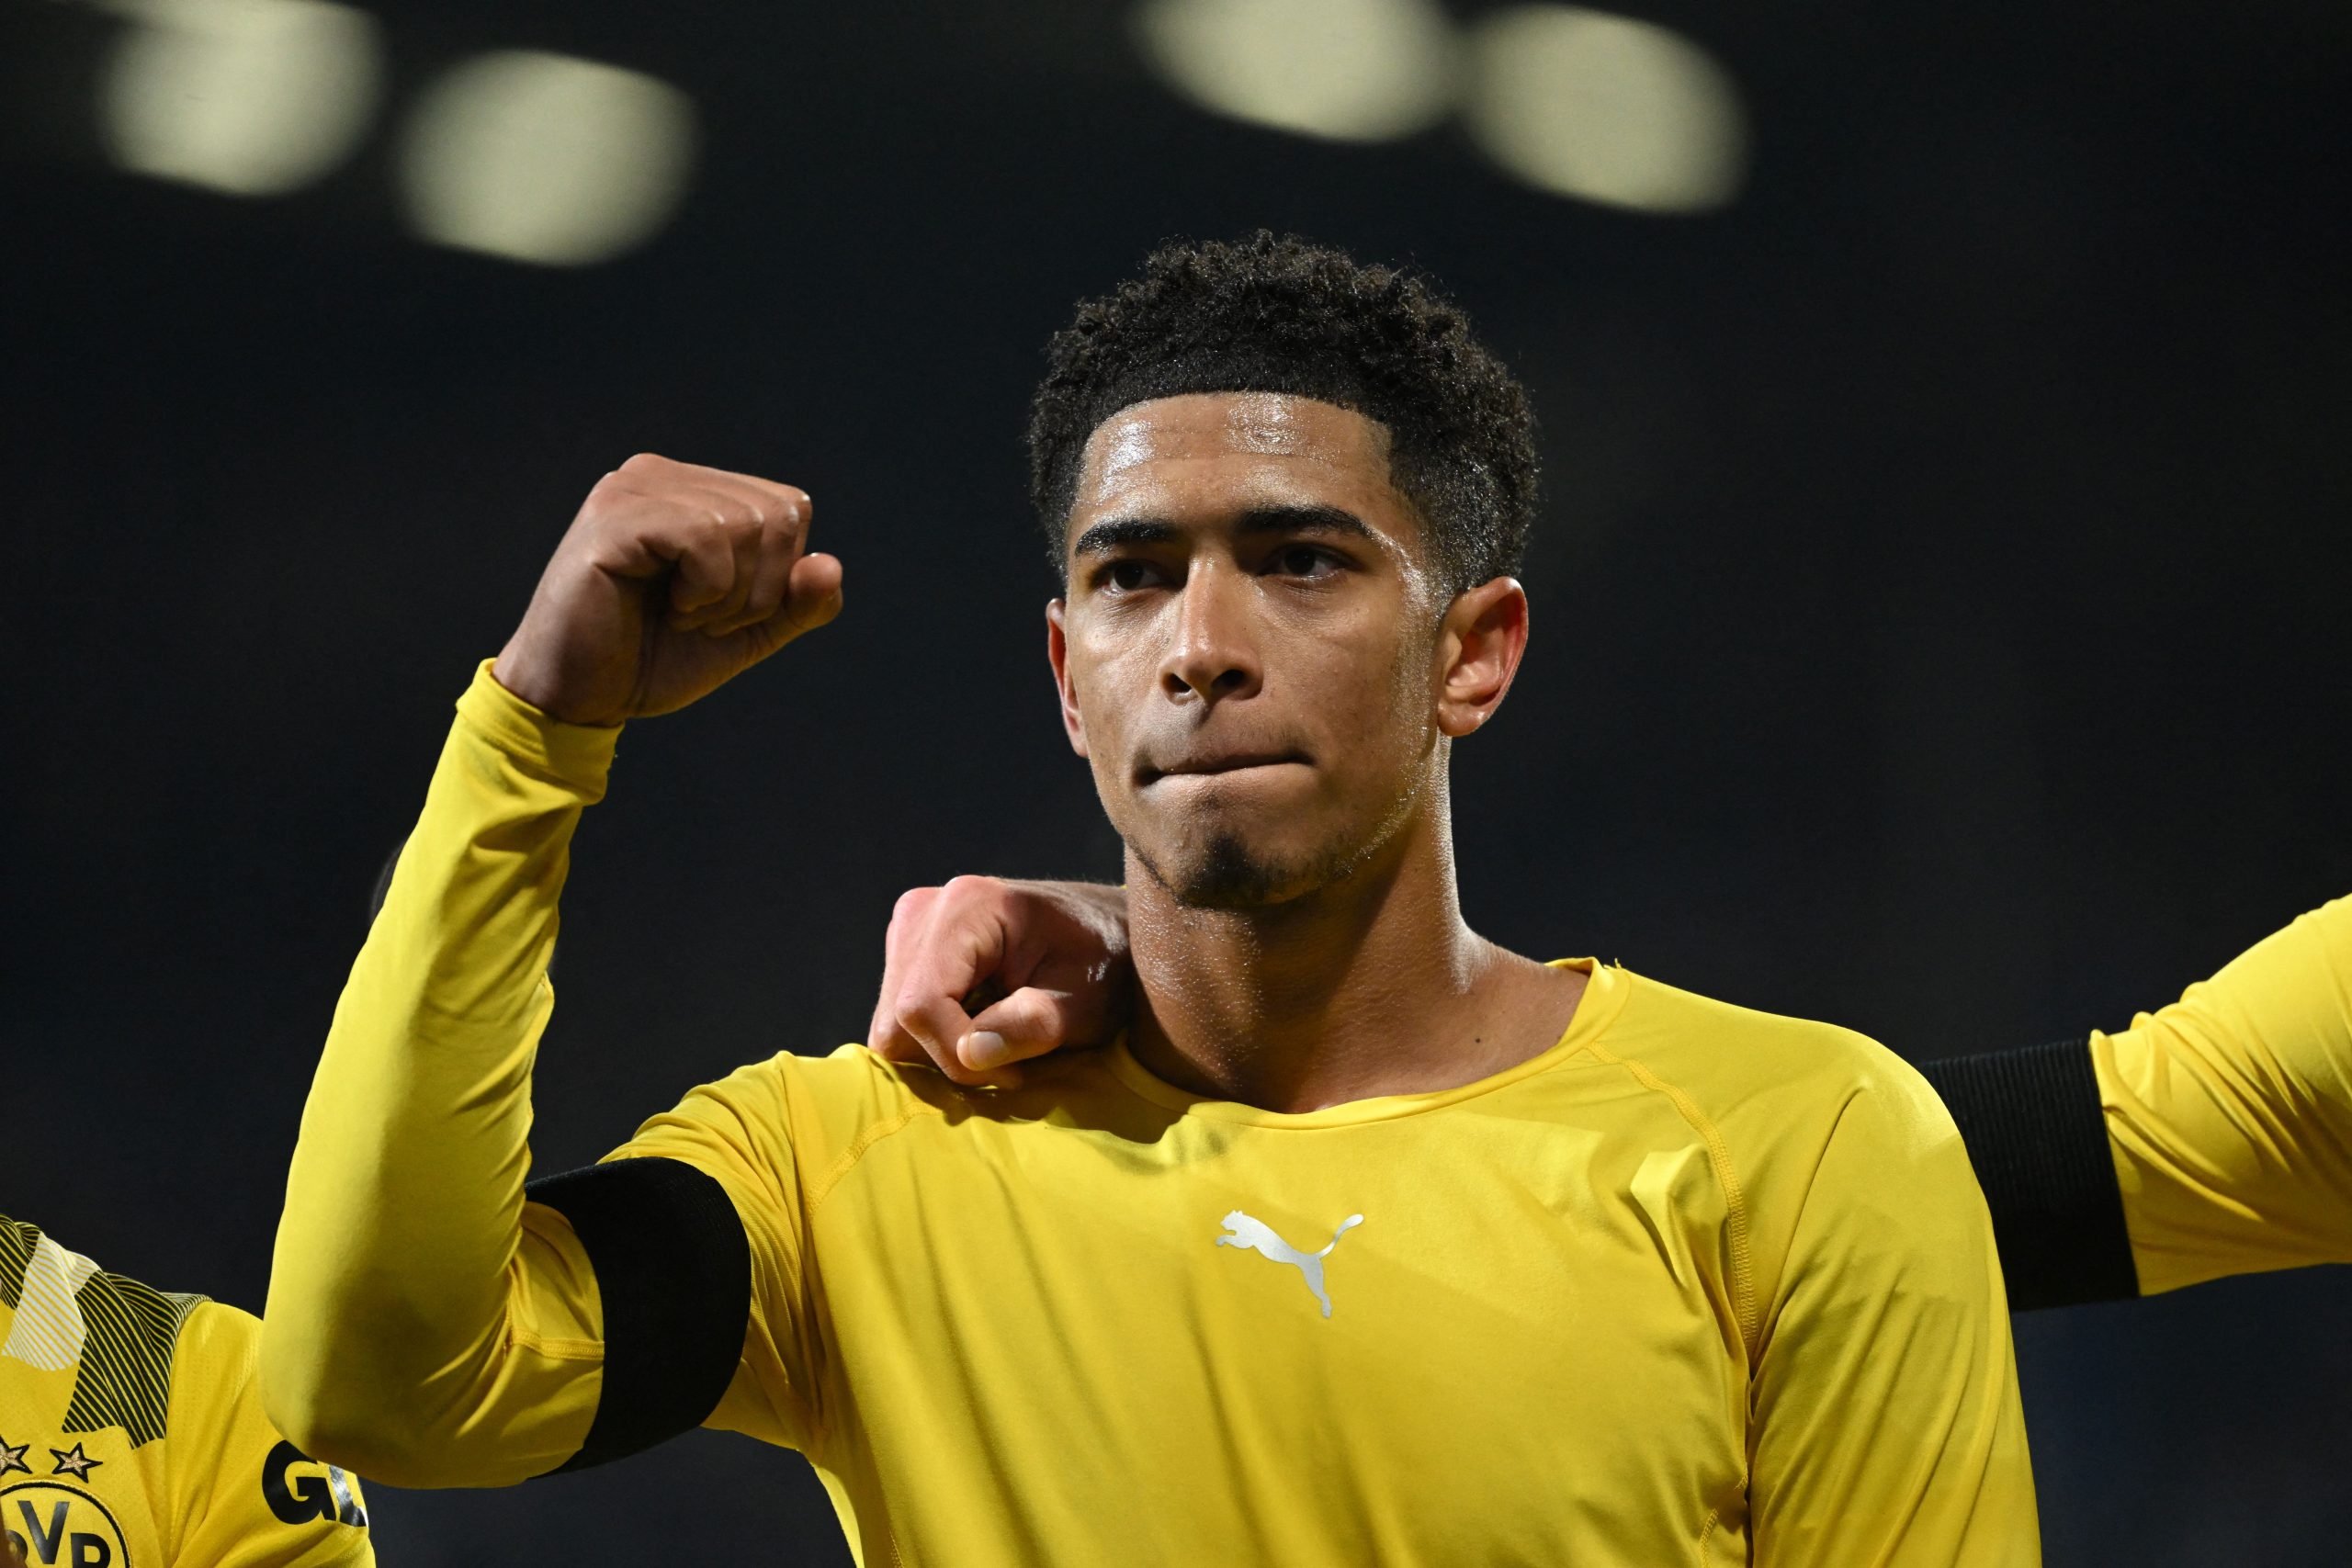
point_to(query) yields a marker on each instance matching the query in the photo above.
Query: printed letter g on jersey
(313, 1491)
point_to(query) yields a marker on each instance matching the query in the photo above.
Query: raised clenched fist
(672, 581)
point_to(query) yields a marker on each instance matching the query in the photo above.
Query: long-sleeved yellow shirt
(1695, 1285)
(2229, 1114)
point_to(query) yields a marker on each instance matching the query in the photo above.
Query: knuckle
(642, 465)
(607, 495)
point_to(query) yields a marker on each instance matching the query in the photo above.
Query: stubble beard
(1229, 875)
(1229, 872)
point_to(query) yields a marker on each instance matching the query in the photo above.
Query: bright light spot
(1616, 112)
(248, 96)
(1347, 70)
(546, 158)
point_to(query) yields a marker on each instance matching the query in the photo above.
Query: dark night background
(1939, 601)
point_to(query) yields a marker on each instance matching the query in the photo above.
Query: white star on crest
(75, 1462)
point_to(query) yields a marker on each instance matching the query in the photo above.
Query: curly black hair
(1278, 314)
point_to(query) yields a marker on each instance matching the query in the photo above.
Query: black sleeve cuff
(674, 1273)
(2037, 1139)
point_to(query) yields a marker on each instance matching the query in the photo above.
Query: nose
(1214, 657)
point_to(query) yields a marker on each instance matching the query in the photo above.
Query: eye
(1126, 576)
(1303, 560)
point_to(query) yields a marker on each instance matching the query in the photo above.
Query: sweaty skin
(1256, 658)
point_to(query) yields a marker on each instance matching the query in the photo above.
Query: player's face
(1246, 654)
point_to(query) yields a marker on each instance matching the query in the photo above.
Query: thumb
(813, 598)
(1032, 1021)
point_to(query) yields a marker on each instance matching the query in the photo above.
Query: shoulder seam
(874, 1134)
(1742, 1285)
(820, 1419)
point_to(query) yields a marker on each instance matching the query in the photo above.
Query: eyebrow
(1108, 536)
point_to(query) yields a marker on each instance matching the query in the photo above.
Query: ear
(1058, 655)
(1479, 644)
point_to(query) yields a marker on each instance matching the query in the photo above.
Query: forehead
(1213, 448)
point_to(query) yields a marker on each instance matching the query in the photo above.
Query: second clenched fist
(673, 579)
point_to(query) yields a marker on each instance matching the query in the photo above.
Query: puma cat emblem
(1241, 1230)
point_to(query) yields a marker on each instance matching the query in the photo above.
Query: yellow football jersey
(1696, 1285)
(2229, 1114)
(131, 1435)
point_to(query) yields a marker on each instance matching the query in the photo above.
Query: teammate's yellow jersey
(1696, 1285)
(131, 1435)
(2229, 1114)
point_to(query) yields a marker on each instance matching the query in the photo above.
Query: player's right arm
(427, 1325)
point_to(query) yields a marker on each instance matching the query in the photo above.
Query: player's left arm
(242, 1495)
(2229, 1114)
(2212, 1138)
(1886, 1427)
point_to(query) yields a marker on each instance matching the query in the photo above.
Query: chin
(1214, 850)
(1228, 872)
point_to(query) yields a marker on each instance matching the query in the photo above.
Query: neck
(1371, 984)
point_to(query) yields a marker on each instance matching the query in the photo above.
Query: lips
(1212, 763)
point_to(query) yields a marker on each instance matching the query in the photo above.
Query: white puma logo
(1259, 1237)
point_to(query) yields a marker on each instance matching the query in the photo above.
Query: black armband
(674, 1273)
(2037, 1137)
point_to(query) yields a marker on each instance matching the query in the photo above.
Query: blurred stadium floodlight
(546, 157)
(1603, 108)
(1345, 70)
(251, 97)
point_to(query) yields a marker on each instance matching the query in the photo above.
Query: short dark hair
(1278, 314)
